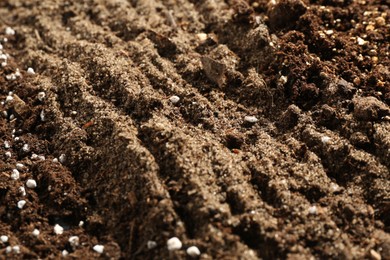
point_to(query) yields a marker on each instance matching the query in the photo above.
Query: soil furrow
(100, 65)
(108, 153)
(193, 198)
(106, 157)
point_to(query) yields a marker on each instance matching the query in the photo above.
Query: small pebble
(313, 210)
(10, 77)
(251, 119)
(62, 158)
(35, 232)
(6, 145)
(26, 148)
(31, 184)
(74, 241)
(8, 249)
(42, 116)
(15, 174)
(325, 139)
(202, 37)
(329, 32)
(58, 230)
(9, 99)
(4, 239)
(151, 244)
(193, 251)
(81, 223)
(372, 52)
(16, 249)
(22, 191)
(41, 96)
(174, 244)
(65, 253)
(19, 166)
(30, 71)
(9, 31)
(21, 204)
(99, 249)
(8, 154)
(283, 80)
(17, 73)
(334, 187)
(174, 99)
(360, 41)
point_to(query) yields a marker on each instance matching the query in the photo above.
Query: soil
(306, 177)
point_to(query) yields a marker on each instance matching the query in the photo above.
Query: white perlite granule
(193, 251)
(174, 244)
(99, 249)
(251, 119)
(58, 230)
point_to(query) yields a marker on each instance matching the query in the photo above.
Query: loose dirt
(118, 164)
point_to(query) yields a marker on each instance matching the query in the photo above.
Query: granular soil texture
(249, 129)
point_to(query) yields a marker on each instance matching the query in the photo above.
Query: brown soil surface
(98, 131)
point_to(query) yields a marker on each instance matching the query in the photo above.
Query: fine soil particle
(276, 144)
